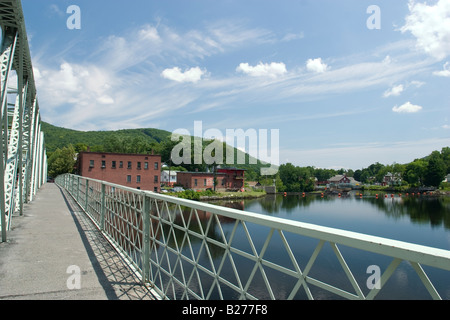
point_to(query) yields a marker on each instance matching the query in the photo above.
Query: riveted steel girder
(23, 168)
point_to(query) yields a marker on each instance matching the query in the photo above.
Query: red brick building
(230, 179)
(234, 178)
(140, 171)
(199, 180)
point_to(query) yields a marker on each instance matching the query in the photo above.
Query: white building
(166, 180)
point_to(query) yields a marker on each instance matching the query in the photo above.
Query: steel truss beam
(23, 168)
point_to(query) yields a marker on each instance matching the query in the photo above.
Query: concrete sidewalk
(52, 243)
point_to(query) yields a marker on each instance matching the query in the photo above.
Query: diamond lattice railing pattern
(192, 250)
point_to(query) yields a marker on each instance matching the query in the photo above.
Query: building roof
(201, 173)
(231, 168)
(339, 177)
(121, 154)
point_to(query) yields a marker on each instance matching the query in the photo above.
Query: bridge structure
(23, 167)
(178, 248)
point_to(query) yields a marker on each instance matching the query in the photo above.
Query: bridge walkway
(54, 252)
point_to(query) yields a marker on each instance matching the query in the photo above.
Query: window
(91, 163)
(120, 164)
(139, 165)
(128, 178)
(113, 164)
(138, 179)
(129, 164)
(103, 164)
(195, 182)
(156, 179)
(156, 165)
(155, 189)
(145, 165)
(204, 182)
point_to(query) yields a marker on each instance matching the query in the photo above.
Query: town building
(234, 178)
(140, 171)
(392, 179)
(200, 180)
(168, 178)
(342, 181)
(227, 179)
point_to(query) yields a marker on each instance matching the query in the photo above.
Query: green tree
(62, 161)
(445, 154)
(435, 170)
(415, 172)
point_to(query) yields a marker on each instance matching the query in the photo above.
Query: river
(423, 220)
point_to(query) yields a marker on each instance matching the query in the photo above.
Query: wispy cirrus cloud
(394, 91)
(126, 72)
(445, 72)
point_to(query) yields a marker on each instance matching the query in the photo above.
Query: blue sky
(341, 94)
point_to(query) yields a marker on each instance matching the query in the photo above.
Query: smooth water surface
(423, 220)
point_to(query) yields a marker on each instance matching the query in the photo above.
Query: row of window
(205, 182)
(139, 180)
(129, 164)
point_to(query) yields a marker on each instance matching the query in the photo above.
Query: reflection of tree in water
(272, 204)
(421, 210)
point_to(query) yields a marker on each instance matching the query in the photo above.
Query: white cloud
(149, 33)
(105, 99)
(273, 69)
(394, 91)
(431, 27)
(445, 72)
(292, 36)
(316, 65)
(407, 107)
(190, 75)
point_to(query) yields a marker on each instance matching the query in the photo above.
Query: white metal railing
(192, 250)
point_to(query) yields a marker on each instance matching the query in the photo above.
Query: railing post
(86, 199)
(78, 188)
(146, 233)
(103, 208)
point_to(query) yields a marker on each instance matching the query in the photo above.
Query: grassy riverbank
(211, 195)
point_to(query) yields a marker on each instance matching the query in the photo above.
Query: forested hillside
(57, 137)
(62, 145)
